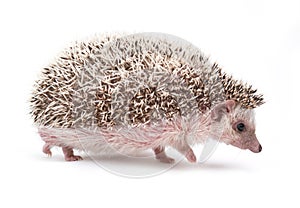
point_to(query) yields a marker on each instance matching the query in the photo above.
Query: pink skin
(185, 149)
(247, 138)
(225, 116)
(160, 154)
(46, 149)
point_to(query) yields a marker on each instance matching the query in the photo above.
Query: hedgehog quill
(138, 92)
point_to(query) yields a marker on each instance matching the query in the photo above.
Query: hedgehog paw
(69, 154)
(73, 158)
(161, 155)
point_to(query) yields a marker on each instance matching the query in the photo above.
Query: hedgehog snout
(254, 145)
(258, 149)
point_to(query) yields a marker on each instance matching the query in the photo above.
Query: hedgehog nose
(259, 148)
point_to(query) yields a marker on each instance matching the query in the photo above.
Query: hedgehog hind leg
(69, 154)
(48, 139)
(47, 149)
(160, 155)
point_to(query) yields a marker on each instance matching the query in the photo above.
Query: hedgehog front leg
(186, 150)
(160, 154)
(69, 154)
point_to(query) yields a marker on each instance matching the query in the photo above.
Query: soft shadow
(181, 164)
(141, 160)
(209, 165)
(145, 161)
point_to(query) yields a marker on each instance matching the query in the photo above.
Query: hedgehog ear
(230, 104)
(221, 109)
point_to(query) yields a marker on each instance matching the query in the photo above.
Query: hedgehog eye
(240, 127)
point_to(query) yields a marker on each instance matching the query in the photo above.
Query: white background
(256, 41)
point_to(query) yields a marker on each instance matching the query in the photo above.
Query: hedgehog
(136, 92)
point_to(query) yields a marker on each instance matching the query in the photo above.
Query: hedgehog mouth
(253, 148)
(238, 145)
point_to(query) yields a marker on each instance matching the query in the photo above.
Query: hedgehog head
(238, 123)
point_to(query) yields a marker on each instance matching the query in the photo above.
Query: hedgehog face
(239, 125)
(243, 135)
